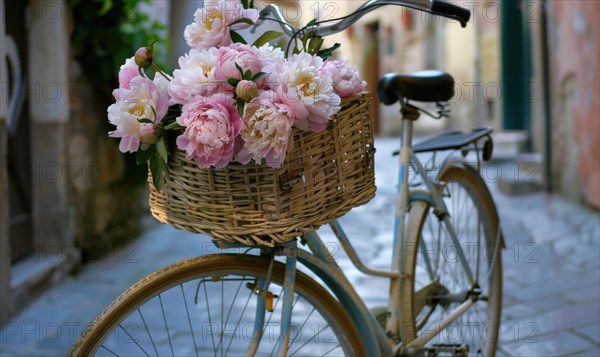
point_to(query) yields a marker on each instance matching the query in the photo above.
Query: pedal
(439, 350)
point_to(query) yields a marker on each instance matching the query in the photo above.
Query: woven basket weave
(324, 176)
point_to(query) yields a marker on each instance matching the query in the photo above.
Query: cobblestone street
(551, 277)
(551, 273)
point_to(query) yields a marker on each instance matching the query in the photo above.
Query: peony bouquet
(228, 100)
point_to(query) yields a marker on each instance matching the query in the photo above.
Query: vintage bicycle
(292, 298)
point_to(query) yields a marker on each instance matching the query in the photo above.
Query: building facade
(64, 195)
(527, 68)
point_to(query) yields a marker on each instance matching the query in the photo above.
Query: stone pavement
(551, 274)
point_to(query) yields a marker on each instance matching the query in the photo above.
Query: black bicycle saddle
(422, 86)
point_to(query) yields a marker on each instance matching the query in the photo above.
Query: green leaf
(258, 76)
(239, 69)
(144, 146)
(240, 108)
(142, 156)
(311, 22)
(314, 45)
(154, 111)
(326, 53)
(145, 121)
(244, 20)
(159, 171)
(305, 39)
(236, 37)
(107, 5)
(247, 75)
(161, 149)
(174, 126)
(233, 82)
(266, 37)
(244, 4)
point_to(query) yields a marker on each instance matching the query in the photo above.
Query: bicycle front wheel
(208, 306)
(442, 283)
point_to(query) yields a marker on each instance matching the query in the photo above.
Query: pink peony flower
(346, 80)
(212, 125)
(211, 24)
(247, 57)
(196, 75)
(143, 57)
(127, 72)
(147, 134)
(140, 100)
(266, 129)
(246, 90)
(306, 89)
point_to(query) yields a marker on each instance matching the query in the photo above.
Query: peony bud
(246, 90)
(143, 57)
(148, 134)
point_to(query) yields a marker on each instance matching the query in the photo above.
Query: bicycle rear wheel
(440, 283)
(207, 306)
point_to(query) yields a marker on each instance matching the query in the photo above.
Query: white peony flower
(266, 129)
(211, 26)
(196, 75)
(140, 100)
(308, 91)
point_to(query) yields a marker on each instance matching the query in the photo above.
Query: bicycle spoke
(132, 339)
(108, 350)
(331, 350)
(310, 339)
(240, 319)
(212, 335)
(148, 331)
(230, 308)
(300, 329)
(187, 311)
(166, 325)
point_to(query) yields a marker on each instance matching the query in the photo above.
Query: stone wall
(105, 200)
(574, 42)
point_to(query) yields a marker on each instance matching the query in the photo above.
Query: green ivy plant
(105, 33)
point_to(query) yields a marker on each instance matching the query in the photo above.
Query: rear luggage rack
(451, 140)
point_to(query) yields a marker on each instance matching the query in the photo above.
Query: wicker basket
(324, 176)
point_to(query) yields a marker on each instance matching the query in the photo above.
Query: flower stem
(161, 72)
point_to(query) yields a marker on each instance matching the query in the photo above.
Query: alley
(551, 273)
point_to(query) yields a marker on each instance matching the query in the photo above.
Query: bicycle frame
(320, 261)
(323, 264)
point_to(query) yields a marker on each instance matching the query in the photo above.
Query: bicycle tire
(476, 328)
(224, 268)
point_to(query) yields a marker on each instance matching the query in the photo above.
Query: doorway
(20, 172)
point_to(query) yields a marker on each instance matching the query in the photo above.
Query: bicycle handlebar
(436, 7)
(451, 11)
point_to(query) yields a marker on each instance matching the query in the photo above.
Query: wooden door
(19, 168)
